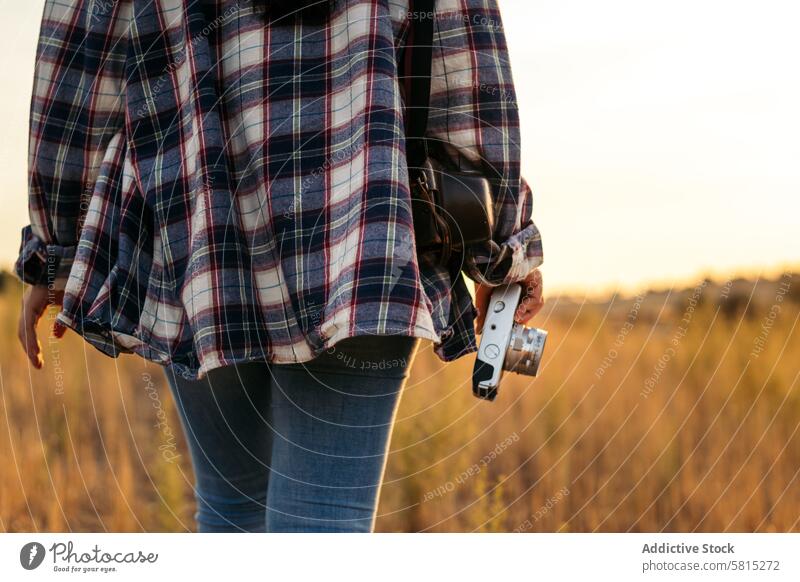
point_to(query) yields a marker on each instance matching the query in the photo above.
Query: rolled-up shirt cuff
(40, 263)
(510, 262)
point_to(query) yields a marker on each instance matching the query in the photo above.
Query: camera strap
(416, 78)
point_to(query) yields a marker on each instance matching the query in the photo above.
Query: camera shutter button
(499, 306)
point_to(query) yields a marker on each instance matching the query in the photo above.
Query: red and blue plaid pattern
(212, 190)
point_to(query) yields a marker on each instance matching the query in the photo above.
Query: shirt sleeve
(475, 119)
(76, 108)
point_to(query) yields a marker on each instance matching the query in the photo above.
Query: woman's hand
(34, 303)
(530, 302)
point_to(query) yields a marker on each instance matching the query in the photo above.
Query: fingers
(482, 296)
(26, 331)
(59, 329)
(532, 299)
(530, 303)
(34, 303)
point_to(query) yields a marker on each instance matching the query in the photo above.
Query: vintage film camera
(505, 345)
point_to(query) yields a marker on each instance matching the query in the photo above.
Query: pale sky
(662, 139)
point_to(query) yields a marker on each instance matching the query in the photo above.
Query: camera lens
(525, 350)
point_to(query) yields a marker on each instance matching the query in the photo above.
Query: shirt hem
(114, 343)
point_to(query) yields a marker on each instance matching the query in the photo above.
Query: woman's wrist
(43, 264)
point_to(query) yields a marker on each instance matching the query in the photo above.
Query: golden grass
(605, 439)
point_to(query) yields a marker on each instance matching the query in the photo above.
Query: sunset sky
(662, 140)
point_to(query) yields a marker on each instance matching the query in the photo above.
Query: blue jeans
(294, 447)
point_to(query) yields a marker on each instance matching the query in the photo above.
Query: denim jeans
(294, 447)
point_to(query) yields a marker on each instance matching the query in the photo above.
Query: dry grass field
(677, 410)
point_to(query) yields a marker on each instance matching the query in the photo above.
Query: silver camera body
(505, 345)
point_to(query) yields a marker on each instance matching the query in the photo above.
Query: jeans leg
(225, 420)
(333, 419)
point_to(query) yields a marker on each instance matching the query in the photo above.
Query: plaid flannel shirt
(209, 189)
